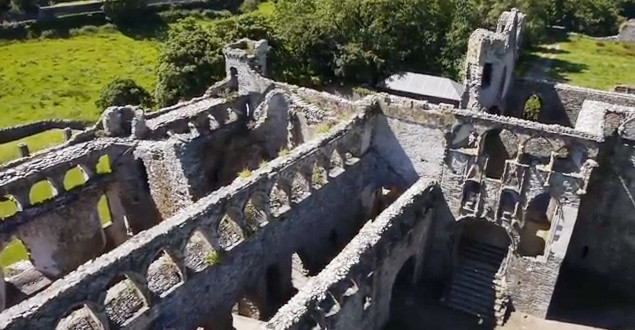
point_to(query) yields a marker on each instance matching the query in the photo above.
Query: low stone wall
(90, 281)
(203, 115)
(561, 103)
(354, 290)
(21, 131)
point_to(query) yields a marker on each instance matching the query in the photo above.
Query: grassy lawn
(583, 61)
(43, 140)
(61, 78)
(41, 191)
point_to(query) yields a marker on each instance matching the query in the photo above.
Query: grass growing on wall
(61, 78)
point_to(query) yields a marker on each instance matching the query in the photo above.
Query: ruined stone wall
(446, 144)
(350, 168)
(64, 231)
(561, 103)
(21, 131)
(530, 172)
(410, 135)
(490, 62)
(354, 290)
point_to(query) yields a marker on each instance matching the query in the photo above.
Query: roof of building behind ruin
(423, 84)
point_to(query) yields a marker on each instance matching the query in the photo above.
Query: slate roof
(425, 85)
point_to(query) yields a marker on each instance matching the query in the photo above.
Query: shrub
(123, 92)
(532, 108)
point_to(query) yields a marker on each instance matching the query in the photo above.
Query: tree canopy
(362, 41)
(123, 92)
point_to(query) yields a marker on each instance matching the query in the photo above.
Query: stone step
(468, 306)
(484, 246)
(466, 287)
(479, 279)
(481, 267)
(481, 253)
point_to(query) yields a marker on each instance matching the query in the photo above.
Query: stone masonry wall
(89, 281)
(561, 103)
(354, 290)
(22, 131)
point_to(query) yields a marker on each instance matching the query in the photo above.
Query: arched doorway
(480, 250)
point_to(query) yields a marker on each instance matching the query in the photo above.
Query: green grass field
(41, 191)
(61, 78)
(583, 61)
(36, 142)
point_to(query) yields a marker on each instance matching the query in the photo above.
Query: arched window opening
(486, 79)
(199, 253)
(124, 301)
(508, 203)
(103, 165)
(103, 211)
(402, 290)
(319, 177)
(532, 108)
(253, 216)
(279, 201)
(229, 232)
(299, 188)
(336, 164)
(13, 252)
(299, 273)
(8, 206)
(471, 191)
(496, 153)
(163, 274)
(539, 216)
(41, 191)
(80, 318)
(74, 177)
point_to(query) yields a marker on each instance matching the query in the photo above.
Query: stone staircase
(475, 287)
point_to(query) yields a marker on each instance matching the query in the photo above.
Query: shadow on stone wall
(391, 150)
(581, 297)
(553, 111)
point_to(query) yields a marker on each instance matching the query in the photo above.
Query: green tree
(121, 92)
(190, 60)
(123, 11)
(594, 17)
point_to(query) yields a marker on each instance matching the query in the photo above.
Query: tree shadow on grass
(559, 69)
(151, 26)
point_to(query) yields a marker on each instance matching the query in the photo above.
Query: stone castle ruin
(266, 205)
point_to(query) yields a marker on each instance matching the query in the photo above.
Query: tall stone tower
(490, 61)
